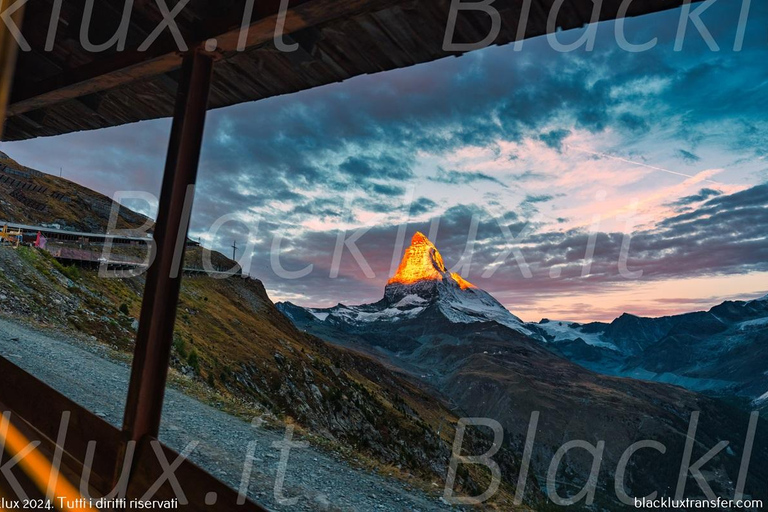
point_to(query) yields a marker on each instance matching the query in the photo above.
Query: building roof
(64, 232)
(69, 88)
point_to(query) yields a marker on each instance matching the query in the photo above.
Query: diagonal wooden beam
(131, 65)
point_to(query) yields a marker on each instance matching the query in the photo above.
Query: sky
(624, 182)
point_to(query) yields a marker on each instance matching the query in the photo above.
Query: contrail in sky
(604, 155)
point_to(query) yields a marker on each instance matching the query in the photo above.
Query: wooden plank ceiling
(69, 89)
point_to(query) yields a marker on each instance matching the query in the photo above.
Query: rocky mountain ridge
(29, 196)
(421, 286)
(720, 351)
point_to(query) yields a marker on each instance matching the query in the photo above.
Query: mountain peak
(421, 286)
(423, 262)
(420, 238)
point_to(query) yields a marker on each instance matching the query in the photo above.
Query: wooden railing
(35, 411)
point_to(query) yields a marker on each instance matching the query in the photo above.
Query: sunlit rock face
(422, 281)
(422, 265)
(463, 283)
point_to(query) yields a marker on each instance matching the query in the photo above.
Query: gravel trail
(319, 480)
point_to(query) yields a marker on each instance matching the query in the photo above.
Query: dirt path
(319, 480)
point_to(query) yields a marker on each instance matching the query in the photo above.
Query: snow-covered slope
(569, 331)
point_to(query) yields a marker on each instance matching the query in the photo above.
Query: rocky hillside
(29, 196)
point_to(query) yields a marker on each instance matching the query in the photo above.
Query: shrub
(27, 254)
(194, 361)
(71, 272)
(124, 309)
(181, 346)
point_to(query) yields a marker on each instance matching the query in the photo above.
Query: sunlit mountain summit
(422, 288)
(423, 262)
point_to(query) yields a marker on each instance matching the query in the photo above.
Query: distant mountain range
(722, 351)
(462, 343)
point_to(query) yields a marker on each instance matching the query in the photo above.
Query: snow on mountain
(764, 298)
(748, 324)
(318, 315)
(364, 313)
(421, 282)
(720, 350)
(470, 305)
(566, 331)
(423, 275)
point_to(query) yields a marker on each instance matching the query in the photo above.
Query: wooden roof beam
(131, 65)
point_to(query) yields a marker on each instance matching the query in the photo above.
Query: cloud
(702, 195)
(723, 236)
(687, 156)
(463, 178)
(383, 168)
(538, 199)
(422, 205)
(554, 138)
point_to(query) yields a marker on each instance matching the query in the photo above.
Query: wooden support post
(161, 293)
(8, 50)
